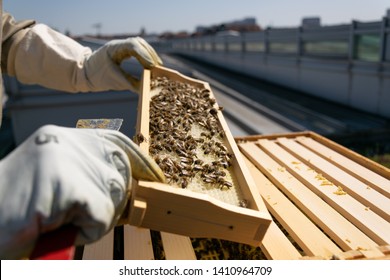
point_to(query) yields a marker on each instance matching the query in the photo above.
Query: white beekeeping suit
(61, 176)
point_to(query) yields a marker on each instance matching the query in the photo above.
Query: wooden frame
(165, 208)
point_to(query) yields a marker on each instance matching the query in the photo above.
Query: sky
(157, 16)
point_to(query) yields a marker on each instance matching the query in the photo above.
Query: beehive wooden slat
(100, 250)
(276, 246)
(177, 247)
(383, 254)
(137, 243)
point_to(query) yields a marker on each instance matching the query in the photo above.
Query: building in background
(245, 25)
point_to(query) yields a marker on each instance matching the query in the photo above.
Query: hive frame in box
(332, 202)
(170, 209)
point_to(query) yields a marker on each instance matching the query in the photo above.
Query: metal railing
(363, 41)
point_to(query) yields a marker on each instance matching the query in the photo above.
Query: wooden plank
(343, 232)
(367, 221)
(373, 254)
(177, 247)
(357, 189)
(307, 235)
(142, 126)
(187, 213)
(137, 243)
(276, 246)
(369, 177)
(103, 249)
(253, 138)
(370, 164)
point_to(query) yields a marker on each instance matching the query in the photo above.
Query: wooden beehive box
(210, 203)
(326, 200)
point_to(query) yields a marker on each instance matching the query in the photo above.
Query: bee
(158, 138)
(168, 147)
(220, 173)
(221, 153)
(184, 183)
(156, 147)
(208, 168)
(140, 138)
(190, 146)
(192, 153)
(185, 166)
(224, 183)
(186, 173)
(197, 167)
(179, 146)
(224, 163)
(175, 178)
(213, 111)
(182, 153)
(243, 203)
(206, 135)
(158, 159)
(187, 160)
(166, 169)
(221, 146)
(205, 93)
(212, 101)
(202, 123)
(208, 179)
(199, 140)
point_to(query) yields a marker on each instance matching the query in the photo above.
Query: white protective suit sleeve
(46, 57)
(64, 176)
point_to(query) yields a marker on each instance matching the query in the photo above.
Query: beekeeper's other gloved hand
(62, 176)
(102, 67)
(40, 55)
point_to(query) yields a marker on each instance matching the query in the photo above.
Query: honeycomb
(187, 141)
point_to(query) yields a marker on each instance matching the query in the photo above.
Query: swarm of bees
(185, 137)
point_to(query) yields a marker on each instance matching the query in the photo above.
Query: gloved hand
(64, 176)
(40, 55)
(102, 67)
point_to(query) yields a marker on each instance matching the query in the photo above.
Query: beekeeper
(65, 175)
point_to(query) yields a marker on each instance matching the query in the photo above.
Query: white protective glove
(64, 176)
(46, 57)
